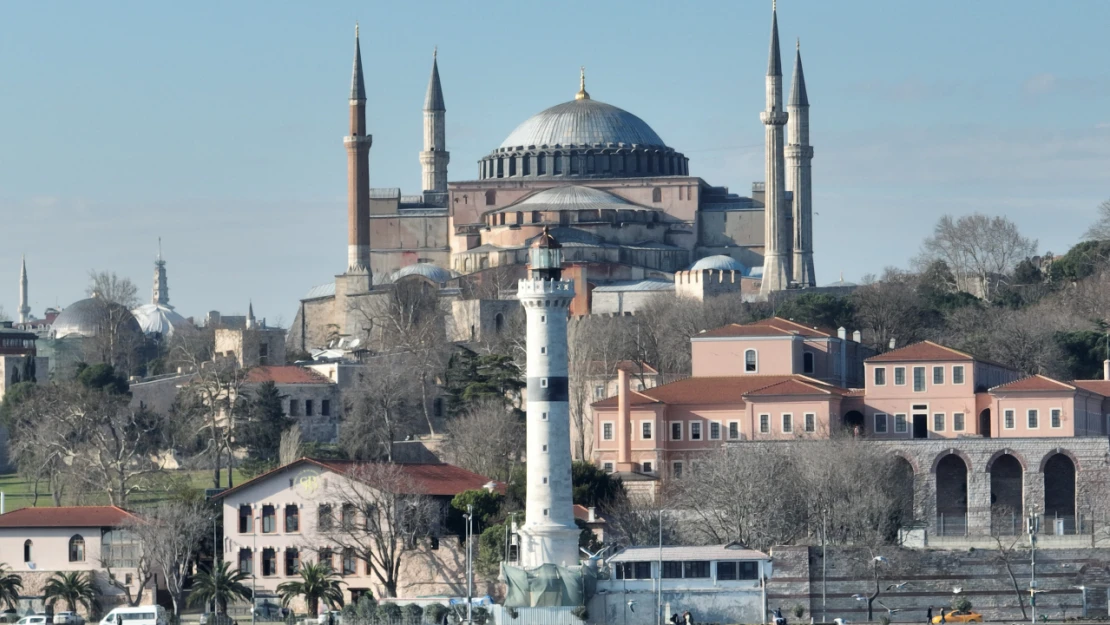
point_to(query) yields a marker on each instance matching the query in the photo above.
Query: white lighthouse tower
(549, 535)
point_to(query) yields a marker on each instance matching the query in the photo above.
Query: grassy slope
(18, 492)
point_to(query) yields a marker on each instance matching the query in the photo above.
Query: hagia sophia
(620, 199)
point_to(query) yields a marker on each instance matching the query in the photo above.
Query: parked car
(68, 618)
(336, 618)
(139, 615)
(214, 618)
(957, 616)
(32, 619)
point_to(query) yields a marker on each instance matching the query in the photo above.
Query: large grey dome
(436, 274)
(582, 122)
(86, 318)
(719, 262)
(159, 319)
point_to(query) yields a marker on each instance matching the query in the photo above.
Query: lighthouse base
(548, 544)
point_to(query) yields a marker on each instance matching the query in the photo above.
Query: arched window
(519, 217)
(541, 164)
(750, 362)
(498, 322)
(491, 197)
(437, 407)
(807, 362)
(76, 548)
(27, 544)
(656, 195)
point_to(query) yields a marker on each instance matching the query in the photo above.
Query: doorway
(921, 426)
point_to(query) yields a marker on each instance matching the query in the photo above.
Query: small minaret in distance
(24, 307)
(776, 236)
(358, 174)
(799, 155)
(549, 534)
(434, 158)
(161, 295)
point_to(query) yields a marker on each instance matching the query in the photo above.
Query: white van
(141, 615)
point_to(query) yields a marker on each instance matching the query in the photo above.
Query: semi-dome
(719, 262)
(582, 122)
(86, 317)
(436, 274)
(573, 197)
(159, 319)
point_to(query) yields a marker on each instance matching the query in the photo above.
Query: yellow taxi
(958, 616)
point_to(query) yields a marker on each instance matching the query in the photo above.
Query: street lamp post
(469, 562)
(254, 569)
(1034, 525)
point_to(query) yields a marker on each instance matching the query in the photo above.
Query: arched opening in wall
(498, 322)
(952, 496)
(853, 422)
(656, 195)
(437, 407)
(27, 545)
(541, 164)
(807, 362)
(903, 477)
(1059, 495)
(985, 423)
(558, 164)
(751, 361)
(491, 197)
(1006, 496)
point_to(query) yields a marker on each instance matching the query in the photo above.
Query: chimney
(857, 336)
(893, 342)
(1106, 369)
(592, 515)
(623, 434)
(841, 333)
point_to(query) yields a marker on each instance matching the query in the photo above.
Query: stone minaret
(776, 239)
(358, 175)
(161, 295)
(549, 535)
(250, 322)
(24, 307)
(799, 154)
(434, 158)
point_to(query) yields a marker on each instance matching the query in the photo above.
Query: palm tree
(10, 585)
(221, 584)
(318, 583)
(75, 588)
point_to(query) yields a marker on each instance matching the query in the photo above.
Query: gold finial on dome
(582, 95)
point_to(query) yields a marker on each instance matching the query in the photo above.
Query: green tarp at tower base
(548, 585)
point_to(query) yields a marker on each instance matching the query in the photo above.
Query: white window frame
(938, 369)
(650, 425)
(1059, 417)
(942, 421)
(787, 422)
(680, 429)
(900, 419)
(881, 417)
(612, 430)
(755, 354)
(809, 422)
(896, 382)
(700, 429)
(730, 436)
(1009, 415)
(963, 417)
(647, 466)
(959, 368)
(765, 418)
(924, 382)
(1030, 415)
(875, 376)
(608, 467)
(710, 425)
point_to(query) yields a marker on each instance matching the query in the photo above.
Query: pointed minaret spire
(161, 295)
(24, 307)
(799, 155)
(798, 96)
(434, 158)
(250, 314)
(774, 64)
(358, 86)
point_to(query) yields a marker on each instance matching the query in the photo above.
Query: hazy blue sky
(218, 126)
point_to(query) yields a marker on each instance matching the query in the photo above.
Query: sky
(218, 126)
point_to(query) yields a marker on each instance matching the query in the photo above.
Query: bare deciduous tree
(382, 515)
(977, 248)
(381, 407)
(1100, 230)
(890, 308)
(169, 534)
(487, 439)
(291, 447)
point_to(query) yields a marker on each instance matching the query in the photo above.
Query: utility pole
(659, 574)
(469, 562)
(1034, 525)
(254, 567)
(824, 560)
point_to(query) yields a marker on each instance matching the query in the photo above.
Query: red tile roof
(285, 374)
(725, 390)
(582, 513)
(1034, 383)
(430, 479)
(775, 326)
(1098, 387)
(921, 352)
(69, 516)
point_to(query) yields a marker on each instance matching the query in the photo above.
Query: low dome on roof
(582, 122)
(436, 274)
(85, 318)
(572, 197)
(719, 262)
(159, 319)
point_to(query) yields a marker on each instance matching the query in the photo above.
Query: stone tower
(358, 176)
(799, 154)
(24, 307)
(549, 534)
(777, 240)
(434, 158)
(161, 293)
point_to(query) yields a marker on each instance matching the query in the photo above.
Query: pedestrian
(687, 619)
(929, 615)
(674, 619)
(942, 619)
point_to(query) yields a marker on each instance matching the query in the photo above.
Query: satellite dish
(354, 343)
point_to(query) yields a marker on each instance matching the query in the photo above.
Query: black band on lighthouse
(557, 389)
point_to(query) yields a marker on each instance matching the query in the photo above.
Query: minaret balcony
(774, 118)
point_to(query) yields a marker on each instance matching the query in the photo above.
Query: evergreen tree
(262, 424)
(471, 377)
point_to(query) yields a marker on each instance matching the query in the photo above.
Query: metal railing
(1050, 525)
(952, 524)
